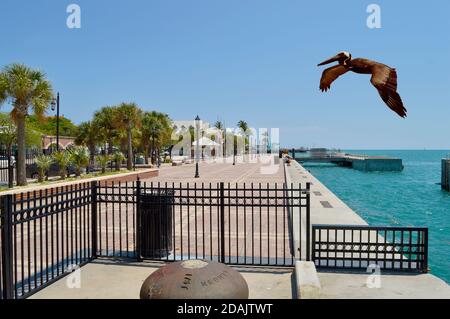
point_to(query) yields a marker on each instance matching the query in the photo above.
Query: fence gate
(236, 224)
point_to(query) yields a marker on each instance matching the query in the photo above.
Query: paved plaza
(261, 170)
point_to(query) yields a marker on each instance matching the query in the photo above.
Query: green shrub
(62, 159)
(118, 157)
(43, 163)
(79, 157)
(103, 160)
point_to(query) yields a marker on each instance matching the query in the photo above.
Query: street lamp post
(234, 148)
(55, 102)
(234, 151)
(197, 146)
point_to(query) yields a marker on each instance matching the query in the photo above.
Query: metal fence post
(425, 253)
(313, 241)
(308, 222)
(16, 157)
(10, 171)
(138, 221)
(7, 247)
(94, 216)
(222, 222)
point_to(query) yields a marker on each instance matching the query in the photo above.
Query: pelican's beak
(333, 59)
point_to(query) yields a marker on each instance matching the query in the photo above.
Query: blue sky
(253, 60)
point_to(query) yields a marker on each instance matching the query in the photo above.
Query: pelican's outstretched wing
(330, 75)
(384, 79)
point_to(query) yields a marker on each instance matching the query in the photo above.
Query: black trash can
(156, 207)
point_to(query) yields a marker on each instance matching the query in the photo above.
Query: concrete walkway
(105, 279)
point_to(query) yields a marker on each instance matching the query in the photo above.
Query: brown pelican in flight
(384, 78)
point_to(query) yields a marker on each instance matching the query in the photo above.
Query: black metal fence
(8, 159)
(358, 247)
(46, 234)
(236, 224)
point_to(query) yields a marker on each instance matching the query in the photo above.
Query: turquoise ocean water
(412, 197)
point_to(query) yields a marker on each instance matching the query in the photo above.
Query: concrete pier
(445, 175)
(359, 162)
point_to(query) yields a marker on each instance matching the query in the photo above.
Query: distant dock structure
(445, 175)
(359, 162)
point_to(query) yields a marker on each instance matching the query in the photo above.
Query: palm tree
(87, 135)
(220, 126)
(62, 159)
(150, 130)
(104, 121)
(79, 156)
(128, 116)
(243, 126)
(43, 163)
(25, 88)
(103, 161)
(245, 130)
(118, 158)
(156, 132)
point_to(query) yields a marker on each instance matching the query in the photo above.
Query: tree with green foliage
(87, 135)
(47, 125)
(156, 132)
(25, 88)
(104, 121)
(8, 134)
(126, 117)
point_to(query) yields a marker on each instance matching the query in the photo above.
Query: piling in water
(445, 174)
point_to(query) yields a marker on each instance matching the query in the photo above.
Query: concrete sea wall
(378, 164)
